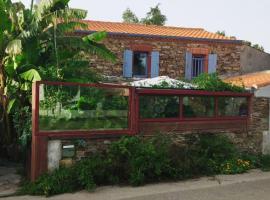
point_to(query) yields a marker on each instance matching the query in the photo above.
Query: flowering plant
(235, 166)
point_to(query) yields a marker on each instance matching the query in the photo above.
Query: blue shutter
(188, 68)
(127, 64)
(212, 63)
(155, 64)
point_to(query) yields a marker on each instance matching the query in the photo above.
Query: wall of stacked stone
(172, 55)
(247, 141)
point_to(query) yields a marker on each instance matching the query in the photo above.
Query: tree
(153, 17)
(258, 47)
(129, 17)
(222, 33)
(40, 43)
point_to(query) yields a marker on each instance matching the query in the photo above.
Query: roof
(155, 31)
(162, 80)
(256, 80)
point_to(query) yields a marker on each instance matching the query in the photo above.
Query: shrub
(211, 82)
(60, 181)
(253, 159)
(138, 160)
(235, 166)
(181, 162)
(265, 162)
(208, 152)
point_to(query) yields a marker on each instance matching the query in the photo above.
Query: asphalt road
(256, 190)
(250, 186)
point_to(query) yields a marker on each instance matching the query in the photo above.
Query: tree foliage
(39, 43)
(256, 46)
(211, 82)
(153, 17)
(129, 17)
(222, 33)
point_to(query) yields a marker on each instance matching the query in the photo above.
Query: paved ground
(9, 179)
(251, 186)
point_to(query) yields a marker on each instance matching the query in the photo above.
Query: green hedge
(137, 161)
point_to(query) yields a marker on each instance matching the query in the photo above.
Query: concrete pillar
(54, 154)
(266, 143)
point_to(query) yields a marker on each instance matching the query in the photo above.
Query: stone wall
(249, 140)
(172, 55)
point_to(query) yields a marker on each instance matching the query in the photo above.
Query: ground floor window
(159, 106)
(198, 106)
(192, 106)
(232, 106)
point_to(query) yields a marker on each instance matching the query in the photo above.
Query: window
(140, 64)
(197, 62)
(159, 107)
(232, 106)
(197, 65)
(78, 108)
(198, 106)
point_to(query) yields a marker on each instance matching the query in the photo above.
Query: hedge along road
(249, 186)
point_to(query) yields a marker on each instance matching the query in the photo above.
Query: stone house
(148, 51)
(151, 51)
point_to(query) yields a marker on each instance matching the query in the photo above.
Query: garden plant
(138, 161)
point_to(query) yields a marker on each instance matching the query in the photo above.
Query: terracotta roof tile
(153, 30)
(257, 80)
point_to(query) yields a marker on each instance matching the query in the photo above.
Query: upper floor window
(198, 64)
(140, 64)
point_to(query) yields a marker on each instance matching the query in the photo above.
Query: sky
(245, 19)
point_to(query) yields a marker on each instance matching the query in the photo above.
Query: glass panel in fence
(84, 108)
(159, 107)
(198, 106)
(232, 106)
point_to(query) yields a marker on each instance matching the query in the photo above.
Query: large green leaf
(5, 23)
(100, 50)
(31, 75)
(11, 104)
(14, 47)
(96, 37)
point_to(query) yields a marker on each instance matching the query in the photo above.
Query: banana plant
(39, 42)
(38, 37)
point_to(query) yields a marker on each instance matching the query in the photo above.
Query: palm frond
(66, 27)
(14, 47)
(99, 50)
(95, 37)
(77, 44)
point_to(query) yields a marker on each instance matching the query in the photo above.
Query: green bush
(60, 181)
(94, 171)
(265, 162)
(138, 160)
(235, 166)
(211, 82)
(208, 151)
